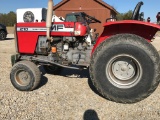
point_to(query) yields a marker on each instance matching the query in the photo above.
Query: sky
(150, 7)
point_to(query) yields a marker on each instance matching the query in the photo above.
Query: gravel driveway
(69, 96)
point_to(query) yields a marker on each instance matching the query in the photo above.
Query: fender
(140, 28)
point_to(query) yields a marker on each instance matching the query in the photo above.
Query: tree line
(125, 16)
(8, 19)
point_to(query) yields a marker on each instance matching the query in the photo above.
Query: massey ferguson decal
(55, 28)
(61, 28)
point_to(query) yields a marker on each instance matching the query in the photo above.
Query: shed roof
(98, 1)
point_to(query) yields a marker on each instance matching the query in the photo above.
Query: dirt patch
(158, 33)
(10, 30)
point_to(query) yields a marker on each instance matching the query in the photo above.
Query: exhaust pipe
(49, 18)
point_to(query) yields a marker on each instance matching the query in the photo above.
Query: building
(96, 8)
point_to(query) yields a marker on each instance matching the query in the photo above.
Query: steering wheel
(135, 14)
(95, 19)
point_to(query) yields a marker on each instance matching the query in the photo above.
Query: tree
(125, 16)
(8, 19)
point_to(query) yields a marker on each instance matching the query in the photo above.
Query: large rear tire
(125, 68)
(25, 76)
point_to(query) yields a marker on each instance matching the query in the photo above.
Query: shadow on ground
(43, 82)
(7, 39)
(75, 73)
(65, 72)
(90, 115)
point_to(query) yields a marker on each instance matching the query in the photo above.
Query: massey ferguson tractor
(124, 66)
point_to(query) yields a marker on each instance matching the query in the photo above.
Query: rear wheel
(25, 76)
(124, 71)
(125, 68)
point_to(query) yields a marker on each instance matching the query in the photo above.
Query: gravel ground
(68, 96)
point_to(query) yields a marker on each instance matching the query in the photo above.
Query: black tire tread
(143, 44)
(34, 69)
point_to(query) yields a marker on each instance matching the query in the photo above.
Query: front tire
(125, 68)
(25, 76)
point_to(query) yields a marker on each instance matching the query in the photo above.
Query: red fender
(144, 29)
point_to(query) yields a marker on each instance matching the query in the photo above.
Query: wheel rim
(2, 35)
(22, 77)
(124, 71)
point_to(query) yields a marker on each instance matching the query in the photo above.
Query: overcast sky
(150, 7)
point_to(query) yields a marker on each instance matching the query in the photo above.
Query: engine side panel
(27, 36)
(143, 29)
(28, 33)
(27, 41)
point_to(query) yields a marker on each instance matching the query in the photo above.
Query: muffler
(49, 18)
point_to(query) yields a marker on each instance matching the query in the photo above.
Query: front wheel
(125, 68)
(25, 76)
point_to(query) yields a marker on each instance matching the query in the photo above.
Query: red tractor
(123, 64)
